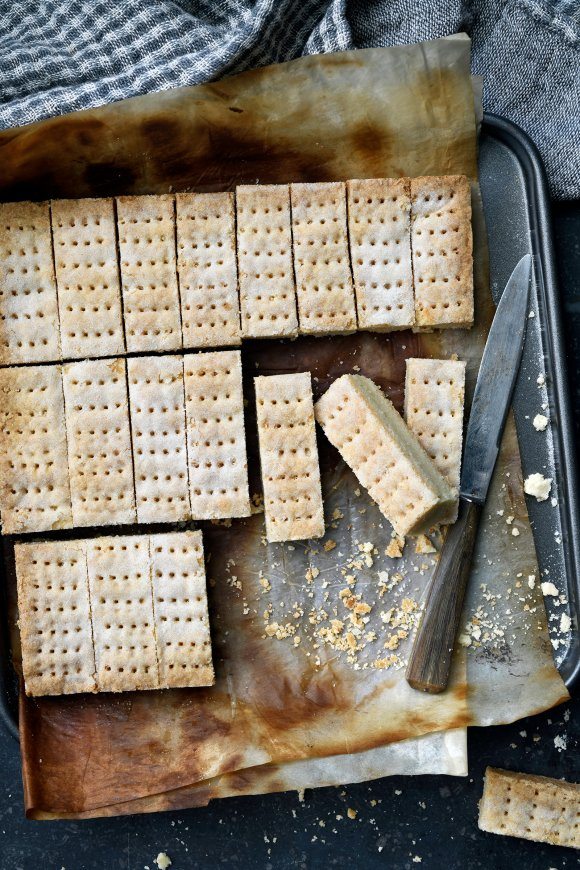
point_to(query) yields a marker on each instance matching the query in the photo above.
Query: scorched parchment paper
(295, 703)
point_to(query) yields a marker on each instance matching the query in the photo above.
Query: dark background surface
(427, 821)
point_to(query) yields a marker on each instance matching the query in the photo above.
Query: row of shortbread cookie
(100, 277)
(99, 442)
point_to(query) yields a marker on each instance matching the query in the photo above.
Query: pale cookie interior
(34, 479)
(216, 440)
(87, 274)
(289, 457)
(379, 224)
(324, 290)
(157, 404)
(29, 327)
(207, 269)
(265, 269)
(146, 227)
(180, 605)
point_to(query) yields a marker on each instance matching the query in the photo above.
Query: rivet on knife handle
(430, 661)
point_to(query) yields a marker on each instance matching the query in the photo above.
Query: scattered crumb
(540, 422)
(163, 861)
(329, 545)
(423, 545)
(560, 742)
(541, 380)
(515, 532)
(565, 623)
(395, 548)
(538, 486)
(549, 589)
(352, 814)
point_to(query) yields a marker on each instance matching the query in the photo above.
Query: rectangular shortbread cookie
(119, 571)
(531, 807)
(442, 247)
(99, 442)
(34, 479)
(180, 606)
(157, 406)
(146, 227)
(289, 457)
(87, 276)
(207, 269)
(29, 330)
(265, 270)
(54, 618)
(434, 399)
(384, 454)
(216, 440)
(379, 223)
(324, 290)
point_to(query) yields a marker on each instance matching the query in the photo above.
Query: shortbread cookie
(289, 457)
(99, 442)
(29, 330)
(379, 223)
(265, 270)
(180, 606)
(54, 618)
(148, 272)
(157, 403)
(34, 478)
(531, 807)
(324, 290)
(87, 275)
(384, 454)
(119, 570)
(216, 440)
(442, 247)
(434, 400)
(207, 269)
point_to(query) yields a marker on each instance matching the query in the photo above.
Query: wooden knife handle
(430, 661)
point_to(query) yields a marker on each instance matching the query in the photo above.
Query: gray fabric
(61, 55)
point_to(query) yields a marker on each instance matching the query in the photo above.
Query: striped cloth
(63, 55)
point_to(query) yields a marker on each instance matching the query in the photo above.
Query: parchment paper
(279, 703)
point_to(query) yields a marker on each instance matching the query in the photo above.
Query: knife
(430, 660)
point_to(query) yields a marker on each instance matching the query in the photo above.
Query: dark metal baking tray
(516, 204)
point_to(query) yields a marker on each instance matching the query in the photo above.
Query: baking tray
(516, 205)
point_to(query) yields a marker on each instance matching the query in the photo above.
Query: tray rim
(538, 201)
(541, 240)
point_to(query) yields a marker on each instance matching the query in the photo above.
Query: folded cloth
(64, 55)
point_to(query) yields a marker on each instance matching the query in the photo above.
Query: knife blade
(430, 661)
(495, 383)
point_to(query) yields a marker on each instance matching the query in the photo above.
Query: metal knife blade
(495, 383)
